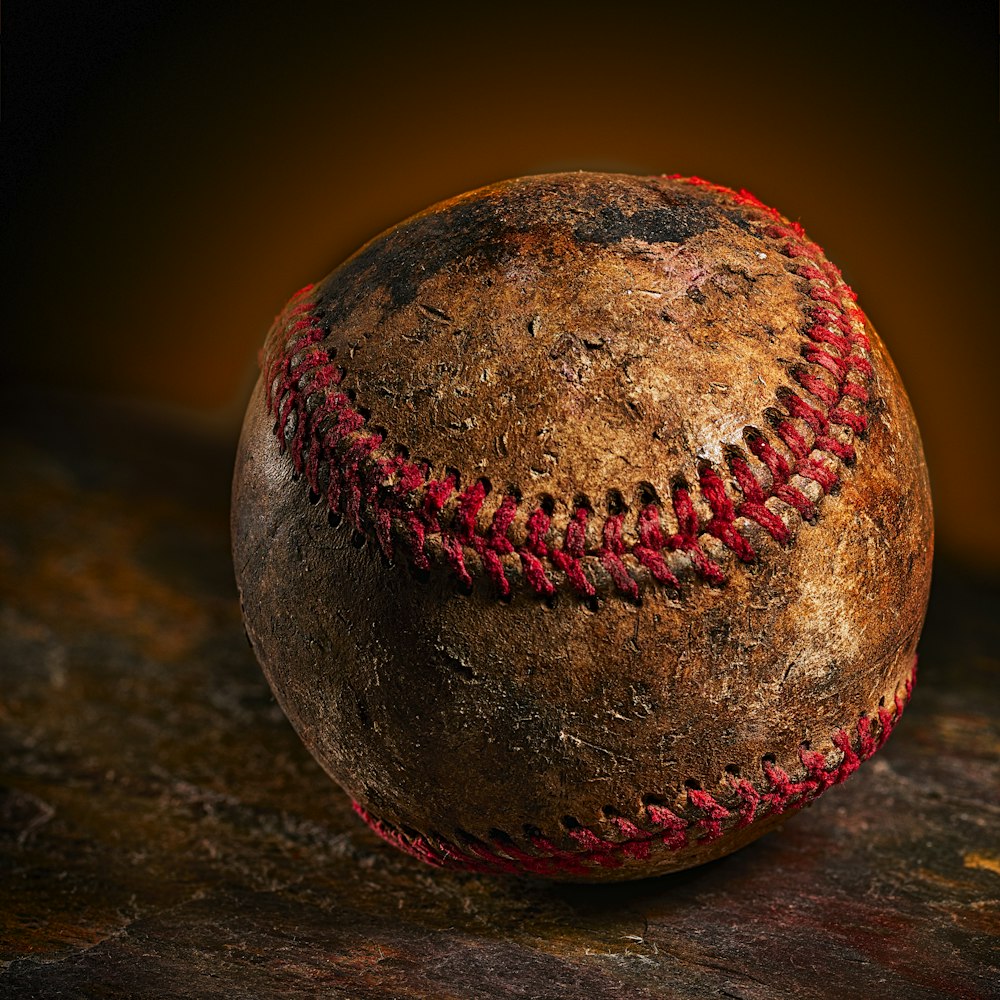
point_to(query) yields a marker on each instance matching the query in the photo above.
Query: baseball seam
(384, 495)
(702, 819)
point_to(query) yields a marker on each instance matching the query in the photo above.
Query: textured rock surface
(164, 833)
(673, 372)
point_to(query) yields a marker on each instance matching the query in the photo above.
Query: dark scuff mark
(402, 259)
(735, 216)
(484, 232)
(674, 224)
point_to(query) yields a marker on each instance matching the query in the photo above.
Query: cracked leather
(579, 339)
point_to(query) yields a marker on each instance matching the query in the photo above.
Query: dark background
(173, 173)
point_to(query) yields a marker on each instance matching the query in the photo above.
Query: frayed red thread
(712, 815)
(780, 474)
(676, 829)
(753, 506)
(652, 543)
(534, 551)
(569, 559)
(611, 556)
(688, 534)
(723, 521)
(703, 819)
(395, 500)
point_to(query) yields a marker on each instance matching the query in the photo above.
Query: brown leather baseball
(582, 527)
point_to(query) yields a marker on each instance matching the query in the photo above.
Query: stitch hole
(616, 503)
(401, 451)
(658, 808)
(350, 394)
(548, 505)
(551, 601)
(571, 823)
(806, 744)
(800, 371)
(774, 416)
(648, 495)
(769, 758)
(451, 471)
(515, 492)
(783, 393)
(487, 485)
(314, 497)
(435, 835)
(500, 838)
(692, 784)
(334, 518)
(362, 711)
(609, 812)
(732, 769)
(881, 702)
(380, 432)
(592, 603)
(358, 540)
(733, 453)
(582, 502)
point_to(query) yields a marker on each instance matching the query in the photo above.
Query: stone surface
(164, 832)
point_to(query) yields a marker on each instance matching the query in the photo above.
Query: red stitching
(534, 551)
(753, 506)
(676, 828)
(780, 474)
(611, 553)
(713, 815)
(570, 558)
(704, 818)
(688, 534)
(397, 502)
(723, 522)
(652, 542)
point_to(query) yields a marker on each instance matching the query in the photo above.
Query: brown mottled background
(174, 172)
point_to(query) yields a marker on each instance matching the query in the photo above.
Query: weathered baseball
(582, 527)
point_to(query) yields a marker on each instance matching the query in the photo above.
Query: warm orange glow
(226, 165)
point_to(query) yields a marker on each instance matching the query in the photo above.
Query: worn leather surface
(578, 338)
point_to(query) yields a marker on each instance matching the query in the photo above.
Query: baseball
(581, 526)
